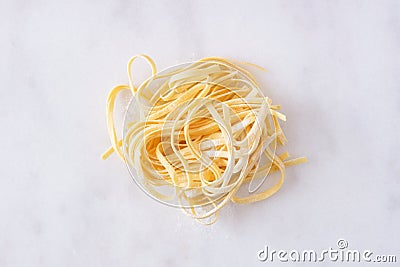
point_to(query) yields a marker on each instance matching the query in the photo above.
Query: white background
(334, 66)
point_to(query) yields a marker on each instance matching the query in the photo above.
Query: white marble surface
(333, 65)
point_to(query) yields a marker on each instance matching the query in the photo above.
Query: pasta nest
(201, 134)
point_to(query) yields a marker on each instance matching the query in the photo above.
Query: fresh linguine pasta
(198, 134)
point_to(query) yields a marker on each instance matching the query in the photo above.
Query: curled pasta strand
(129, 69)
(116, 144)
